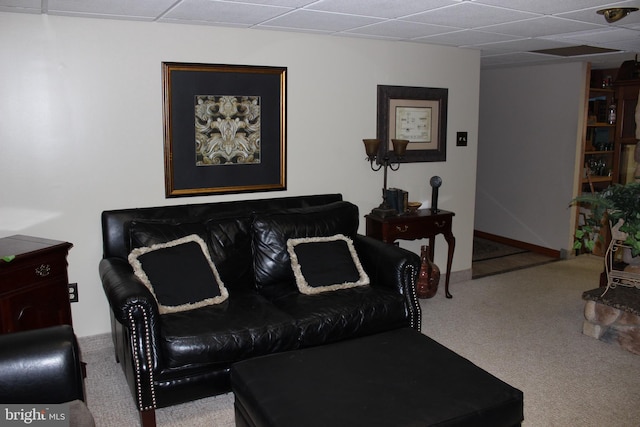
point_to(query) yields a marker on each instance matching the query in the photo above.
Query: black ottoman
(398, 378)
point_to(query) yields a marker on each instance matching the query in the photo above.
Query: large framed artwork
(224, 128)
(417, 114)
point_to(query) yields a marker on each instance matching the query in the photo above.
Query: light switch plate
(461, 139)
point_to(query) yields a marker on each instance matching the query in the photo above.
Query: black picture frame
(224, 128)
(423, 110)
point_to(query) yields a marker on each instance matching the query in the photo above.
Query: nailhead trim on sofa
(134, 339)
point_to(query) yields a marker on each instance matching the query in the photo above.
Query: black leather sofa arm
(386, 265)
(135, 308)
(125, 291)
(392, 266)
(40, 366)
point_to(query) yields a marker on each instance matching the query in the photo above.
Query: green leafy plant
(616, 202)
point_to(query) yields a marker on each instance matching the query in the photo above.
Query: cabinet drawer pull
(43, 270)
(402, 229)
(440, 224)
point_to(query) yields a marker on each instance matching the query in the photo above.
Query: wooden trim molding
(518, 244)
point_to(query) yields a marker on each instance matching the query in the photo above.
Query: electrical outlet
(73, 292)
(461, 139)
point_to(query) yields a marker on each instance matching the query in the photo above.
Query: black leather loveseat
(179, 346)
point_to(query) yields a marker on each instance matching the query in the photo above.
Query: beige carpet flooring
(524, 327)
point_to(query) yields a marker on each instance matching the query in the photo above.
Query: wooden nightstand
(423, 224)
(34, 286)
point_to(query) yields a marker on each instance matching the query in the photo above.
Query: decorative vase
(429, 275)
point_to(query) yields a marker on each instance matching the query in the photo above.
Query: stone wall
(613, 317)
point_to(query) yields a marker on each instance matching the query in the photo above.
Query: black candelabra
(371, 147)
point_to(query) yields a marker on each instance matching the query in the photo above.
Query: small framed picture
(417, 114)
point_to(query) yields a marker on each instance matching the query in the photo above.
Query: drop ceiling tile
(603, 35)
(546, 7)
(134, 9)
(291, 31)
(542, 26)
(379, 8)
(282, 3)
(469, 15)
(466, 38)
(324, 21)
(400, 29)
(224, 12)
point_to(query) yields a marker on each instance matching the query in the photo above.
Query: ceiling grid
(507, 32)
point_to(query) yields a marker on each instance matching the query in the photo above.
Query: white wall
(81, 125)
(530, 132)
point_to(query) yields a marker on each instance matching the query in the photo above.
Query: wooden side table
(423, 224)
(34, 286)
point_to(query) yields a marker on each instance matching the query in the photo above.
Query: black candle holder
(399, 149)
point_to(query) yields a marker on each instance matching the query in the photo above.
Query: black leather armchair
(42, 366)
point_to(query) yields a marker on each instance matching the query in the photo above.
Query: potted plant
(619, 205)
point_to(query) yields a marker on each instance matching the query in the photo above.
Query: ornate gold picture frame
(224, 128)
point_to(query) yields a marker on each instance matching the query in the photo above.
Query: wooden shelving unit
(600, 156)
